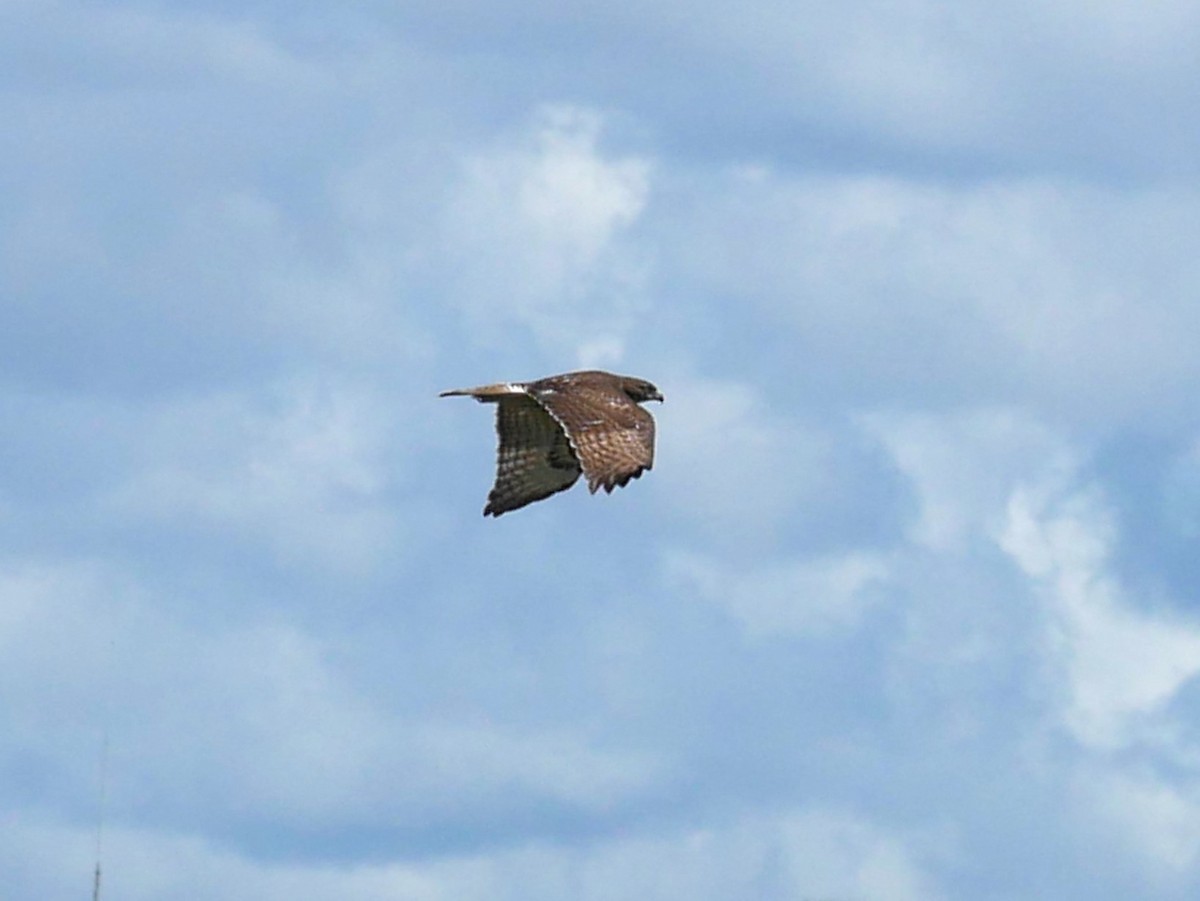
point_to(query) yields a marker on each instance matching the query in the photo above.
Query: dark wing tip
(625, 479)
(615, 481)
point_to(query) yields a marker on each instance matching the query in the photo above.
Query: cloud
(143, 864)
(815, 853)
(1158, 819)
(177, 215)
(738, 463)
(241, 728)
(125, 47)
(1036, 88)
(301, 474)
(1123, 664)
(893, 608)
(1008, 291)
(962, 467)
(798, 597)
(998, 477)
(536, 233)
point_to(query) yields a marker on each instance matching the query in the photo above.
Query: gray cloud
(909, 595)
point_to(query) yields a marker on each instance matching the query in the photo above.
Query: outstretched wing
(613, 437)
(533, 460)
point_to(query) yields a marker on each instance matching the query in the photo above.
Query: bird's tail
(485, 393)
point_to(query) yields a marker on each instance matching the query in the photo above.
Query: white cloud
(127, 46)
(535, 234)
(812, 853)
(999, 476)
(245, 719)
(734, 466)
(1029, 84)
(1066, 299)
(852, 858)
(301, 473)
(1150, 40)
(1123, 665)
(50, 859)
(556, 766)
(803, 853)
(1108, 666)
(813, 596)
(1158, 819)
(963, 466)
(297, 741)
(303, 661)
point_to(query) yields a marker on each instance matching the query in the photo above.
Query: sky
(908, 608)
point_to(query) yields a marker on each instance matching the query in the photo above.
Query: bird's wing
(533, 459)
(613, 437)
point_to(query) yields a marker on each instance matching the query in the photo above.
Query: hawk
(554, 429)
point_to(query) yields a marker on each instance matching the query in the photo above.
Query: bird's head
(640, 391)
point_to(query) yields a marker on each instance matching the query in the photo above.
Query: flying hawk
(556, 428)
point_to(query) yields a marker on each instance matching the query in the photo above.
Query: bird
(556, 428)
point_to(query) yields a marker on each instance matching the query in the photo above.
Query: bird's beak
(657, 395)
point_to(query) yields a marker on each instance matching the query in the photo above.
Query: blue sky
(909, 608)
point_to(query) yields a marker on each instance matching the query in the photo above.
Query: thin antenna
(102, 799)
(100, 813)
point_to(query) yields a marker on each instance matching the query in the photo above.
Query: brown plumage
(552, 430)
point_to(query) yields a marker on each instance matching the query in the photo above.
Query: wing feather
(613, 437)
(533, 458)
